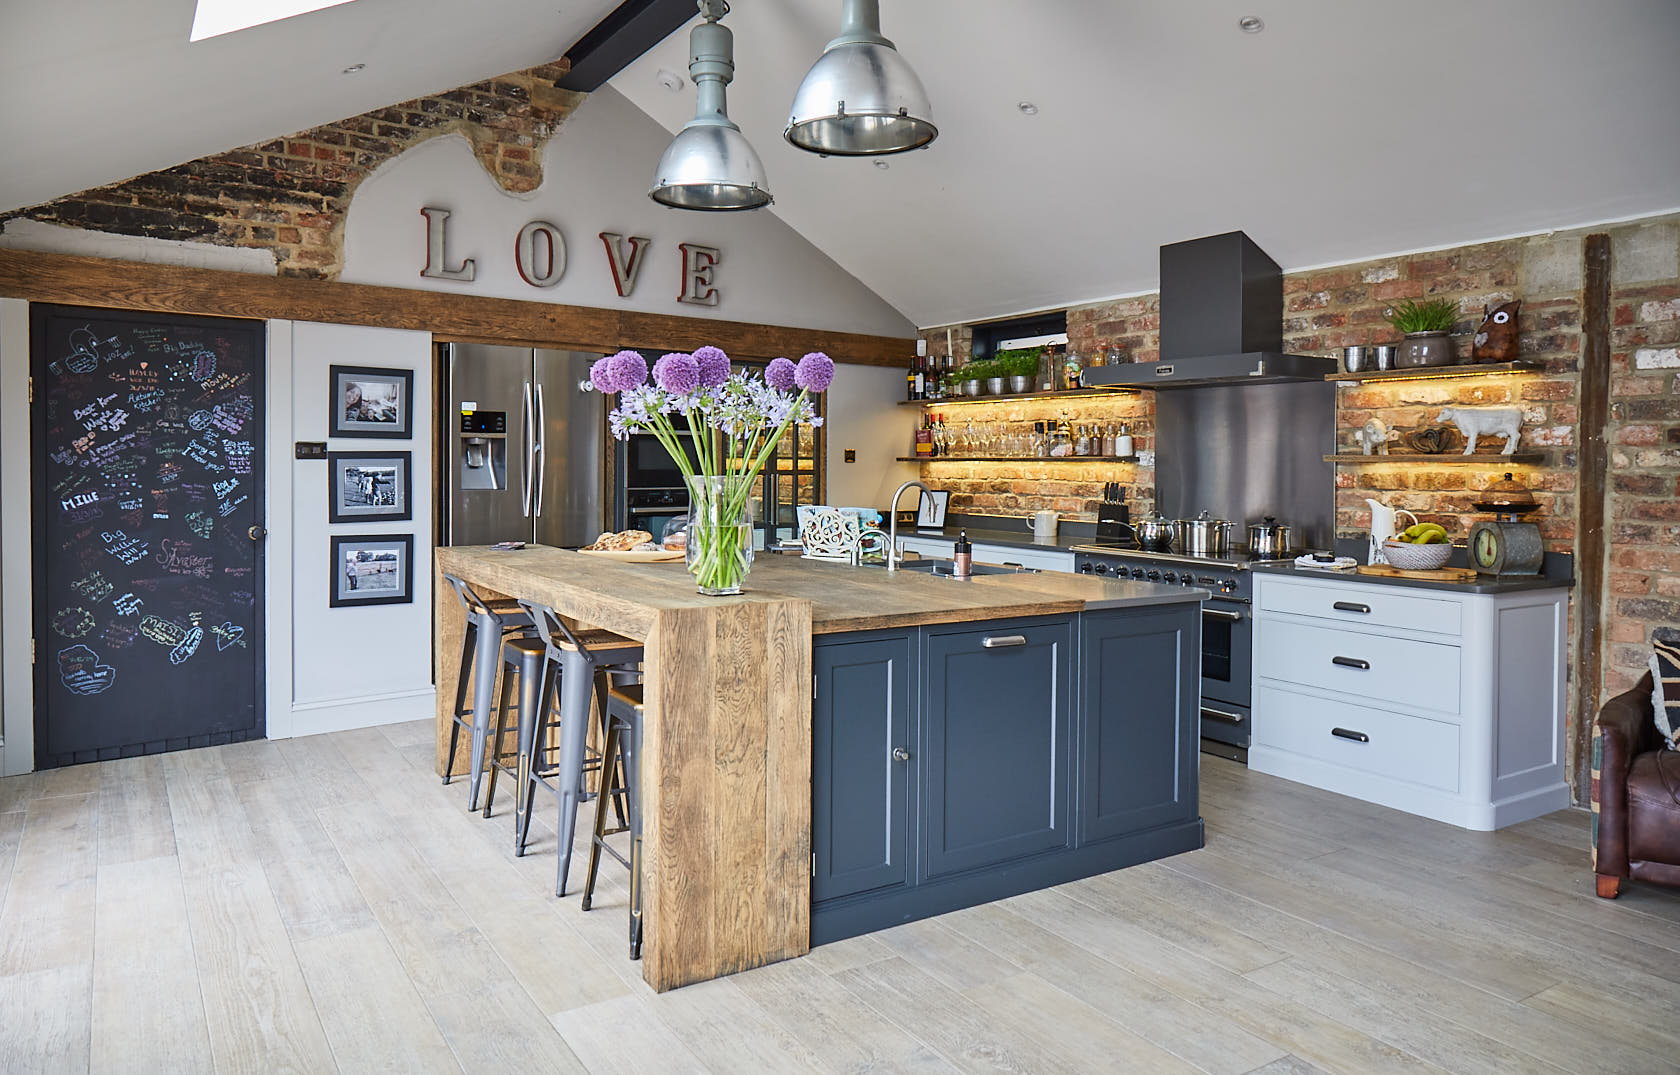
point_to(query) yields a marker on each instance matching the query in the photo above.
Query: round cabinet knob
(257, 533)
(900, 754)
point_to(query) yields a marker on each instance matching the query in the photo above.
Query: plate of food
(631, 546)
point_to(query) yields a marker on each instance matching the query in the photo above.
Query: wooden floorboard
(326, 904)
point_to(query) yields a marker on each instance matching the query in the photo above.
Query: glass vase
(720, 534)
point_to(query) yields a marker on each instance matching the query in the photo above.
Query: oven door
(1227, 670)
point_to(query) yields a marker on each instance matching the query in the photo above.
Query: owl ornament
(1496, 336)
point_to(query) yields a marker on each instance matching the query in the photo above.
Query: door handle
(999, 641)
(539, 438)
(900, 754)
(530, 452)
(1343, 733)
(1351, 606)
(1351, 662)
(257, 533)
(1221, 614)
(1220, 714)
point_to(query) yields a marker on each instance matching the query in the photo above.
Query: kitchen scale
(1506, 545)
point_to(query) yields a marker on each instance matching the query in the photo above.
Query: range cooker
(1227, 627)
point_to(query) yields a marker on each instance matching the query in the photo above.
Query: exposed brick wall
(289, 195)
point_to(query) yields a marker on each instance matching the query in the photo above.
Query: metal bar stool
(587, 662)
(488, 622)
(623, 746)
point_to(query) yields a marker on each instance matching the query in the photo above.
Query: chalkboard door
(148, 524)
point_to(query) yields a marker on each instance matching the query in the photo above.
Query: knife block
(1113, 519)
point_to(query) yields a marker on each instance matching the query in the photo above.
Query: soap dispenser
(962, 559)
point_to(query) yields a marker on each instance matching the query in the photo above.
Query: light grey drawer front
(1395, 672)
(1036, 558)
(1401, 747)
(1362, 606)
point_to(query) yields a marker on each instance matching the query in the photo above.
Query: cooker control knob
(1137, 572)
(1228, 585)
(1085, 568)
(1154, 576)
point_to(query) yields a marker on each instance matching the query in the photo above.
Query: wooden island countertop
(726, 747)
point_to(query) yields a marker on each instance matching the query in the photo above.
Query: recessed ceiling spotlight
(1026, 108)
(670, 80)
(1250, 24)
(883, 165)
(353, 68)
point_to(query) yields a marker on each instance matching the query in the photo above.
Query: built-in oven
(1227, 671)
(650, 489)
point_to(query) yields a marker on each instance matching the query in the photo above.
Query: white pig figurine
(1494, 421)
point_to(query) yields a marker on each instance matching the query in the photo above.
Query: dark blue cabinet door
(860, 790)
(1140, 692)
(996, 731)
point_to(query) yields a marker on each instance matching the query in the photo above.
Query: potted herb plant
(1021, 367)
(974, 376)
(1426, 326)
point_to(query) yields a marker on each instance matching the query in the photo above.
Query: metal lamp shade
(860, 99)
(712, 167)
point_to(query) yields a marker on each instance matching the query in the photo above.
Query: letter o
(526, 259)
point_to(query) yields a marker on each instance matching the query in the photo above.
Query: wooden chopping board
(636, 556)
(1443, 574)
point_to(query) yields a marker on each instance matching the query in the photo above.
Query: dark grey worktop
(1012, 531)
(1484, 584)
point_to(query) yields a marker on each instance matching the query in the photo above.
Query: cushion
(1665, 689)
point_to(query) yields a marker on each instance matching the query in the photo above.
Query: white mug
(1044, 524)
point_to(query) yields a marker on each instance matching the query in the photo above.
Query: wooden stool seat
(602, 642)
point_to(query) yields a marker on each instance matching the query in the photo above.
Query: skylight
(215, 17)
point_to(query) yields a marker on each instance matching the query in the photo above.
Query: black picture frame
(342, 488)
(930, 509)
(346, 590)
(395, 395)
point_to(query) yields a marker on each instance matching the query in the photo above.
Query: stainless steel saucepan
(1202, 536)
(1154, 532)
(1270, 539)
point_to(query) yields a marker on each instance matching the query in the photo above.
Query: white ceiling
(1344, 131)
(1341, 132)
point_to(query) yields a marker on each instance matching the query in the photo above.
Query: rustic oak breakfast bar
(842, 748)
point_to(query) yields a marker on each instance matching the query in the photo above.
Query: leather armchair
(1636, 792)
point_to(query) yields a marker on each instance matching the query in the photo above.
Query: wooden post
(1594, 463)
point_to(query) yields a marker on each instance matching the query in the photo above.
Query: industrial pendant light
(709, 165)
(860, 99)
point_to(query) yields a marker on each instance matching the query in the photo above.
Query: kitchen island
(839, 748)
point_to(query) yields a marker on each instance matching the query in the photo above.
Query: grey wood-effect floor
(325, 904)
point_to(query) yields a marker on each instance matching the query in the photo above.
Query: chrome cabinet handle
(1220, 714)
(1351, 606)
(1351, 662)
(1343, 733)
(529, 437)
(539, 438)
(1221, 614)
(900, 754)
(999, 641)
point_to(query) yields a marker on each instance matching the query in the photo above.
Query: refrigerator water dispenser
(483, 450)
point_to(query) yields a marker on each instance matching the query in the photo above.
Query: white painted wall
(345, 667)
(17, 686)
(861, 414)
(596, 173)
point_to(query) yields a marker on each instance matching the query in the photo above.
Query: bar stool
(488, 622)
(621, 752)
(587, 662)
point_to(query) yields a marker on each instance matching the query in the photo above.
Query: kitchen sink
(944, 568)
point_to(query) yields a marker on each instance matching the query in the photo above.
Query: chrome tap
(893, 556)
(869, 534)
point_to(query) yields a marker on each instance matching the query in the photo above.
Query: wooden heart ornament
(1496, 336)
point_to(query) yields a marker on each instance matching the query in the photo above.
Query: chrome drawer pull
(1220, 714)
(1351, 606)
(1343, 733)
(1351, 662)
(1221, 614)
(998, 641)
(900, 754)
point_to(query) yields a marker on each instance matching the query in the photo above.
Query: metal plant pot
(1425, 349)
(994, 386)
(1018, 383)
(971, 387)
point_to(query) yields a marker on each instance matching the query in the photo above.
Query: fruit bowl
(1408, 557)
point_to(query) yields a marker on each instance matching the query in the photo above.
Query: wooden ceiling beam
(132, 285)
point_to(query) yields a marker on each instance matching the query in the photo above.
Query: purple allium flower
(601, 375)
(678, 373)
(779, 374)
(815, 372)
(630, 370)
(714, 365)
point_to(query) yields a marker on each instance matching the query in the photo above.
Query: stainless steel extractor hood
(1221, 322)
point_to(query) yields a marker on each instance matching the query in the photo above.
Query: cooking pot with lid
(1154, 532)
(1270, 539)
(1202, 536)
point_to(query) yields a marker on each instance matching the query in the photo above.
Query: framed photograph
(931, 513)
(371, 402)
(369, 485)
(371, 569)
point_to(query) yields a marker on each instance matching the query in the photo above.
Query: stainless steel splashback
(1243, 452)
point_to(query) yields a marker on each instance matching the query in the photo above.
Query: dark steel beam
(628, 31)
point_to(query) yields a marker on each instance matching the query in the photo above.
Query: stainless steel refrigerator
(524, 447)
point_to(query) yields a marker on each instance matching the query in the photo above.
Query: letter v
(624, 269)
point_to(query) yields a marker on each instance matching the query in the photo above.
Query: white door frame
(17, 578)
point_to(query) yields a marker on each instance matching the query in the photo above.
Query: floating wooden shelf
(1010, 397)
(1435, 373)
(1491, 459)
(1017, 459)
